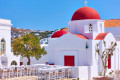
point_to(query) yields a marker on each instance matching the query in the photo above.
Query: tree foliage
(28, 46)
(105, 54)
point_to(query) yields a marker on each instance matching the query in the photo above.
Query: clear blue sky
(52, 14)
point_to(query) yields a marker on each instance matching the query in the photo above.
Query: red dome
(85, 13)
(59, 34)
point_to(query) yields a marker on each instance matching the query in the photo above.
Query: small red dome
(86, 13)
(59, 34)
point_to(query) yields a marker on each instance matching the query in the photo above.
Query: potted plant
(104, 56)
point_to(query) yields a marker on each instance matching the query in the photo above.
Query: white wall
(61, 53)
(70, 44)
(118, 55)
(11, 57)
(84, 72)
(94, 54)
(82, 27)
(108, 39)
(5, 32)
(80, 72)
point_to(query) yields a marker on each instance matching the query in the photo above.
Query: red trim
(101, 36)
(109, 61)
(51, 64)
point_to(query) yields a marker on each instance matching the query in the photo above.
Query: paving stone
(22, 78)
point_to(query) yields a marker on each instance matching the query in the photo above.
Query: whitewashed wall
(84, 72)
(5, 32)
(11, 57)
(82, 27)
(70, 44)
(108, 39)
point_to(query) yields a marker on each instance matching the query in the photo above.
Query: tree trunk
(28, 63)
(104, 72)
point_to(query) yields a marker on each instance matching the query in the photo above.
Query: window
(14, 63)
(3, 46)
(90, 27)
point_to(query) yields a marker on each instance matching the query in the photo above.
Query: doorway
(69, 61)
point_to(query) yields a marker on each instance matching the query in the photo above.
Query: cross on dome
(85, 3)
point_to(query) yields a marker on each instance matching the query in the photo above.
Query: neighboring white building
(6, 56)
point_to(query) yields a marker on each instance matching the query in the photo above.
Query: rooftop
(112, 23)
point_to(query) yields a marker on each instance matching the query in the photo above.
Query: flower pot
(103, 78)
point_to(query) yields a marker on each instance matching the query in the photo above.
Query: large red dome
(85, 13)
(59, 34)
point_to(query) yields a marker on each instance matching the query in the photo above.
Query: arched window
(90, 27)
(14, 63)
(3, 46)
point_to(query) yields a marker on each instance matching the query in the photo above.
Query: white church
(77, 46)
(74, 47)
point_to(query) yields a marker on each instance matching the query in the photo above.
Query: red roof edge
(101, 36)
(58, 34)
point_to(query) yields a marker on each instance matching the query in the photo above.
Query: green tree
(28, 46)
(105, 55)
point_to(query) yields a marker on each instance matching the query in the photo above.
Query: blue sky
(52, 14)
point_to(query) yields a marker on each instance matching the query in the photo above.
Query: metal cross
(85, 3)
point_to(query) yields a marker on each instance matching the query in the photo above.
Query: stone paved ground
(30, 78)
(22, 78)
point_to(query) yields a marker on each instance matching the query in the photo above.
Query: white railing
(46, 72)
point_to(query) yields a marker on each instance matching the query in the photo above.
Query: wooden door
(69, 61)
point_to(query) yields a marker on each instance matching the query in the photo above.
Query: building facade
(6, 56)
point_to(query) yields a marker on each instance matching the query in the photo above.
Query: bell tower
(86, 21)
